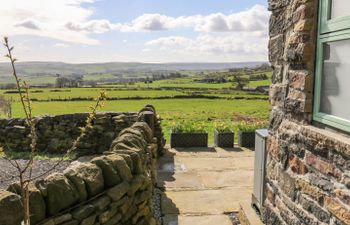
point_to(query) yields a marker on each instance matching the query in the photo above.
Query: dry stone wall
(308, 165)
(56, 133)
(114, 188)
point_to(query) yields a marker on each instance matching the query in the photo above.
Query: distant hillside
(53, 68)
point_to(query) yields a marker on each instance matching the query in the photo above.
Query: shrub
(188, 127)
(251, 127)
(222, 127)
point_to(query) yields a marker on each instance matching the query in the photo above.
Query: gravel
(9, 174)
(156, 205)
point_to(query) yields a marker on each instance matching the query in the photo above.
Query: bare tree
(24, 172)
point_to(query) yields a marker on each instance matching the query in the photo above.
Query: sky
(86, 31)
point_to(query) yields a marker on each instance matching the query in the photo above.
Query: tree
(62, 82)
(24, 171)
(239, 82)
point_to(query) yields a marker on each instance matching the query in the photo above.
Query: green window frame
(330, 30)
(328, 24)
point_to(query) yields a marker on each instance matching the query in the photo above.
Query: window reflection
(340, 8)
(335, 93)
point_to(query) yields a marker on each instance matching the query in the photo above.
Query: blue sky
(134, 8)
(136, 30)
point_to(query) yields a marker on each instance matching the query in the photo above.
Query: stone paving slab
(211, 152)
(201, 185)
(204, 201)
(223, 179)
(180, 180)
(214, 164)
(184, 164)
(196, 220)
(204, 179)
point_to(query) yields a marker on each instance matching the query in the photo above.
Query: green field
(67, 93)
(230, 106)
(201, 111)
(188, 82)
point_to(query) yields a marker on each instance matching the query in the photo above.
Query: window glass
(340, 8)
(335, 91)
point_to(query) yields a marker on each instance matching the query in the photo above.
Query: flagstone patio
(203, 186)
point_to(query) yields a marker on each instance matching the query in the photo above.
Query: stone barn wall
(114, 188)
(308, 166)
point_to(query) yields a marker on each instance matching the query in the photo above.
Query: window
(332, 83)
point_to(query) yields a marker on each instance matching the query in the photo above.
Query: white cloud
(146, 22)
(253, 19)
(69, 21)
(242, 34)
(92, 26)
(48, 19)
(214, 44)
(29, 23)
(171, 41)
(60, 45)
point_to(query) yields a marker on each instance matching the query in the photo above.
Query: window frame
(330, 31)
(327, 24)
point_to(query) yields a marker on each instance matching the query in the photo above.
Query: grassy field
(48, 94)
(66, 93)
(202, 111)
(230, 108)
(189, 82)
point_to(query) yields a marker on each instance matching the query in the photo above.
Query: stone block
(304, 11)
(296, 165)
(343, 195)
(59, 192)
(277, 75)
(276, 49)
(273, 147)
(114, 220)
(89, 220)
(304, 216)
(287, 184)
(63, 218)
(121, 166)
(118, 191)
(72, 222)
(101, 203)
(278, 93)
(301, 80)
(277, 4)
(313, 208)
(10, 203)
(107, 215)
(83, 212)
(92, 177)
(36, 202)
(136, 184)
(286, 214)
(338, 210)
(111, 177)
(277, 23)
(314, 192)
(271, 216)
(304, 25)
(322, 166)
(322, 182)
